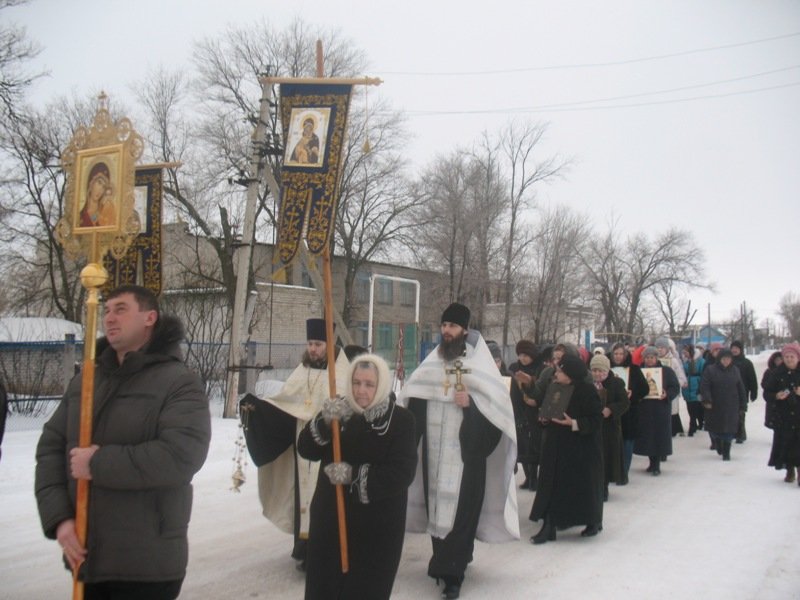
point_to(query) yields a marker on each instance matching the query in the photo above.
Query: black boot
(591, 530)
(726, 450)
(546, 534)
(527, 470)
(452, 587)
(655, 467)
(533, 476)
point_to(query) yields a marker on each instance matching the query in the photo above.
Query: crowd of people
(439, 457)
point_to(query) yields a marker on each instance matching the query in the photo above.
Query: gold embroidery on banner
(308, 201)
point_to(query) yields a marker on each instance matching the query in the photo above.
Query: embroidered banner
(142, 262)
(313, 117)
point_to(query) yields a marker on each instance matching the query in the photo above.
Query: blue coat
(693, 376)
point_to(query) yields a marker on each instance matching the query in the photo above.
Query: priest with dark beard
(272, 421)
(466, 439)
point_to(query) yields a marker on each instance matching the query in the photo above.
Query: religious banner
(142, 264)
(314, 118)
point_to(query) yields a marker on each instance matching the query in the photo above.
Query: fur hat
(573, 367)
(526, 347)
(650, 351)
(738, 344)
(315, 330)
(456, 313)
(494, 349)
(599, 361)
(662, 342)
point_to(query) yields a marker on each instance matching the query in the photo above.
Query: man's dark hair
(145, 298)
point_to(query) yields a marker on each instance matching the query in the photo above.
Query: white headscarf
(384, 381)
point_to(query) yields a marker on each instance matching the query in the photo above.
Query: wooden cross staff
(459, 370)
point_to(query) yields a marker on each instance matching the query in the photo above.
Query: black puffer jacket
(152, 423)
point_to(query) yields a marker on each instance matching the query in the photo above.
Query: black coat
(748, 373)
(655, 419)
(769, 410)
(152, 423)
(786, 417)
(383, 455)
(723, 388)
(529, 432)
(570, 488)
(615, 398)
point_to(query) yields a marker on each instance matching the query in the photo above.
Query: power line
(576, 106)
(589, 65)
(558, 108)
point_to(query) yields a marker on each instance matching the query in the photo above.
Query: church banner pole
(93, 277)
(337, 446)
(99, 217)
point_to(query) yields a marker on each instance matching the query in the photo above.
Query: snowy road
(703, 529)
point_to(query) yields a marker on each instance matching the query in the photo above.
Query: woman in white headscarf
(668, 356)
(379, 461)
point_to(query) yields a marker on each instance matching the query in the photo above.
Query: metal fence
(36, 374)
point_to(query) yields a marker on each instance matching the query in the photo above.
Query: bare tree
(551, 273)
(623, 272)
(519, 145)
(203, 313)
(486, 203)
(674, 306)
(15, 50)
(444, 233)
(376, 211)
(789, 310)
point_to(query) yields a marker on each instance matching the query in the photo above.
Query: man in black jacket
(748, 373)
(150, 434)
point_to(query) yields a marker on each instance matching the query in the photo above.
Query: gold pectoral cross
(458, 369)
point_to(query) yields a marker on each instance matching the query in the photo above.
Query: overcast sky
(676, 113)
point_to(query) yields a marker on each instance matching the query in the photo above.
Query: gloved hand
(340, 473)
(336, 408)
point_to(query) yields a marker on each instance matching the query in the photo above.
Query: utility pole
(244, 253)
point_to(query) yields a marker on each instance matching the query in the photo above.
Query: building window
(359, 333)
(384, 291)
(361, 291)
(384, 336)
(408, 294)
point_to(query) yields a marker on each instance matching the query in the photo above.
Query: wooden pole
(93, 277)
(331, 341)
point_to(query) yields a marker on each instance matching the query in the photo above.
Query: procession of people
(438, 456)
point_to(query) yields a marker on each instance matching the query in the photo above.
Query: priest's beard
(454, 347)
(313, 363)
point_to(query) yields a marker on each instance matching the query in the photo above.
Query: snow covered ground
(703, 529)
